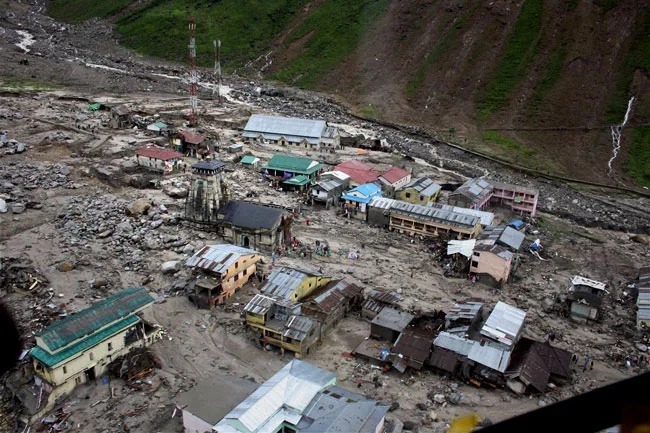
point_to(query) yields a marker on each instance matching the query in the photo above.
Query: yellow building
(419, 191)
(292, 284)
(79, 348)
(223, 269)
(431, 221)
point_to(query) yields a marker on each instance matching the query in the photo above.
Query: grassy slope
(76, 11)
(551, 75)
(337, 27)
(245, 27)
(520, 52)
(638, 160)
(447, 42)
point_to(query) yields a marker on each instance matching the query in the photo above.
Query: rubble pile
(19, 274)
(135, 364)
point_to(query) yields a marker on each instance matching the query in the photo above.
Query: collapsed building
(495, 253)
(585, 298)
(220, 271)
(330, 187)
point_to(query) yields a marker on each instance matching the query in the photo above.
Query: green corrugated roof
(293, 164)
(248, 159)
(297, 180)
(94, 107)
(94, 318)
(52, 360)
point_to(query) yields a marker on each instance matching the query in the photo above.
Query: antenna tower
(217, 69)
(193, 75)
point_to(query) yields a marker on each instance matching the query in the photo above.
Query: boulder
(65, 266)
(20, 148)
(547, 305)
(188, 249)
(138, 207)
(3, 206)
(171, 267)
(18, 208)
(439, 398)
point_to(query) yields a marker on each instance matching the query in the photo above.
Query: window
(408, 195)
(92, 357)
(77, 380)
(475, 264)
(236, 277)
(110, 346)
(236, 265)
(477, 254)
(65, 370)
(421, 198)
(245, 271)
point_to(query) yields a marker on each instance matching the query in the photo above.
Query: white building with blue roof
(356, 200)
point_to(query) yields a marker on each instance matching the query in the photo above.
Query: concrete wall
(410, 195)
(308, 285)
(491, 264)
(194, 424)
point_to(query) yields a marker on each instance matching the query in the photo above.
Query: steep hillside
(534, 82)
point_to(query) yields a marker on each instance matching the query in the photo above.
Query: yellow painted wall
(414, 196)
(308, 285)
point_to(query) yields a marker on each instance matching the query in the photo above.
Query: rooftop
(362, 193)
(192, 137)
(124, 303)
(249, 159)
(213, 398)
(424, 186)
(582, 281)
(517, 188)
(259, 304)
(209, 165)
(293, 164)
(392, 319)
(429, 213)
(293, 129)
(460, 345)
(251, 215)
(283, 281)
(158, 153)
(475, 189)
(503, 235)
(395, 174)
(359, 171)
(218, 258)
(504, 324)
(490, 356)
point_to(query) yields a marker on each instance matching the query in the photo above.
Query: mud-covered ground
(66, 194)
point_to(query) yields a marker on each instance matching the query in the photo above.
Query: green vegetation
(245, 27)
(637, 58)
(509, 143)
(606, 4)
(552, 74)
(23, 85)
(76, 11)
(519, 54)
(333, 30)
(573, 4)
(444, 45)
(638, 159)
(369, 111)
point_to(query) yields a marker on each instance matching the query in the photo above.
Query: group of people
(589, 363)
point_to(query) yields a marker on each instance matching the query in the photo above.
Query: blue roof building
(357, 199)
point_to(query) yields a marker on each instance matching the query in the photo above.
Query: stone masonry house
(419, 191)
(221, 271)
(253, 225)
(79, 348)
(159, 159)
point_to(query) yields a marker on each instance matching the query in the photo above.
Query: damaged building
(533, 365)
(389, 324)
(220, 271)
(429, 221)
(158, 159)
(495, 253)
(377, 300)
(393, 179)
(480, 194)
(643, 298)
(330, 187)
(79, 348)
(355, 201)
(421, 190)
(585, 298)
(331, 304)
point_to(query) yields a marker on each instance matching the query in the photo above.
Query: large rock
(124, 228)
(174, 192)
(171, 267)
(18, 208)
(3, 206)
(20, 148)
(138, 207)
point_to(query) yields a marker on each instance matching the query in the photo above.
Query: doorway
(245, 242)
(90, 374)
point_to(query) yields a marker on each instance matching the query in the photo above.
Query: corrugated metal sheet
(394, 175)
(260, 304)
(456, 344)
(424, 186)
(506, 236)
(364, 192)
(430, 213)
(283, 282)
(92, 319)
(298, 327)
(516, 188)
(444, 359)
(293, 164)
(311, 130)
(393, 319)
(582, 281)
(293, 387)
(504, 323)
(490, 356)
(416, 348)
(464, 310)
(463, 247)
(475, 189)
(218, 258)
